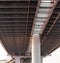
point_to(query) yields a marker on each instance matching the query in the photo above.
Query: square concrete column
(36, 51)
(17, 59)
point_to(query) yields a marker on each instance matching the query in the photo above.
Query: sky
(4, 57)
(53, 58)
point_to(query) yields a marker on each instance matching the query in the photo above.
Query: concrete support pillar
(36, 51)
(21, 61)
(17, 59)
(41, 59)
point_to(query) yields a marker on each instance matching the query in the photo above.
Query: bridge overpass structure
(29, 29)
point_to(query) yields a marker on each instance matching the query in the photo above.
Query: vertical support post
(36, 51)
(17, 59)
(41, 59)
